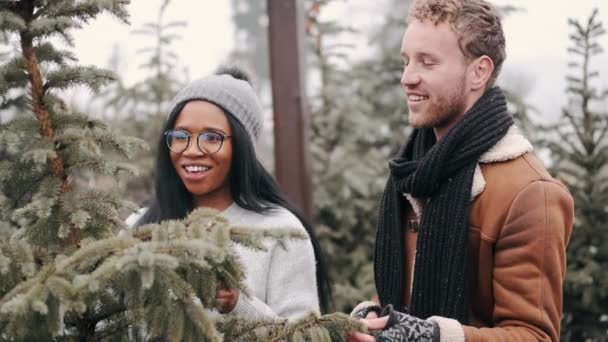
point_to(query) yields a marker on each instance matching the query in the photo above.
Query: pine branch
(86, 10)
(63, 121)
(12, 76)
(18, 102)
(11, 22)
(332, 327)
(67, 77)
(577, 129)
(46, 52)
(603, 131)
(46, 27)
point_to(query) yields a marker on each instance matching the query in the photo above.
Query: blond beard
(445, 110)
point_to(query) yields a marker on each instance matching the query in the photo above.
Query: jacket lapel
(511, 146)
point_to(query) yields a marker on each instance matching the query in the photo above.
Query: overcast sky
(537, 40)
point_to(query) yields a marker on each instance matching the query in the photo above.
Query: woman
(206, 158)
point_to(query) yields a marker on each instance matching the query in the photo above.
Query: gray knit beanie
(229, 88)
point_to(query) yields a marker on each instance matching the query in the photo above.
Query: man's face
(435, 75)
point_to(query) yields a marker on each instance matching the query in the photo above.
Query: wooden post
(290, 123)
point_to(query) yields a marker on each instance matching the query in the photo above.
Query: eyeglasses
(208, 142)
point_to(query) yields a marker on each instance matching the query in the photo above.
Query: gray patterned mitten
(402, 327)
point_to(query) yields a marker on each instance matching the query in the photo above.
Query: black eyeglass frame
(198, 135)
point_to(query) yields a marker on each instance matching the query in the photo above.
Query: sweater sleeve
(291, 285)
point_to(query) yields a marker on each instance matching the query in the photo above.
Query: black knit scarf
(441, 175)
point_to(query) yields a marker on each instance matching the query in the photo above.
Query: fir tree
(358, 120)
(14, 100)
(140, 109)
(65, 273)
(580, 153)
(251, 37)
(251, 50)
(151, 95)
(522, 111)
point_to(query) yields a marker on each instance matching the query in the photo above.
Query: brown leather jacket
(520, 224)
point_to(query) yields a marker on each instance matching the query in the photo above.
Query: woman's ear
(481, 72)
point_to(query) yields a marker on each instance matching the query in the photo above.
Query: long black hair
(251, 187)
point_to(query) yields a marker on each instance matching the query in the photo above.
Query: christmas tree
(139, 109)
(580, 153)
(358, 121)
(69, 270)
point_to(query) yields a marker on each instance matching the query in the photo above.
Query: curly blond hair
(476, 22)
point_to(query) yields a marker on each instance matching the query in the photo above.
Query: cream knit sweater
(281, 281)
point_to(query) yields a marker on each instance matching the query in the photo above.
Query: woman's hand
(373, 324)
(226, 300)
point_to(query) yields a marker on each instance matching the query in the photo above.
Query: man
(472, 230)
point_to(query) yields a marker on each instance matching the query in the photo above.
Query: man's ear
(481, 72)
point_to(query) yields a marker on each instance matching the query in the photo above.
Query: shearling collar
(511, 146)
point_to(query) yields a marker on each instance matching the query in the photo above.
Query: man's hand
(226, 300)
(395, 326)
(402, 327)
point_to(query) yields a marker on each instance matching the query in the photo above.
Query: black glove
(402, 327)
